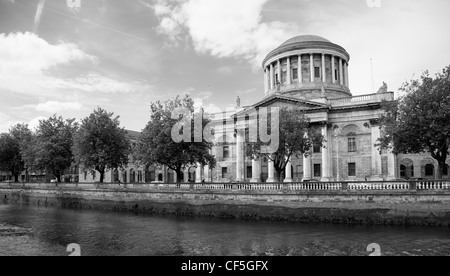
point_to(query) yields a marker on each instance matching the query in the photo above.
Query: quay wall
(378, 207)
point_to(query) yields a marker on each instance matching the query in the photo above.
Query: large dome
(305, 38)
(306, 42)
(307, 67)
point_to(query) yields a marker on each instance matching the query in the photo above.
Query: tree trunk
(16, 177)
(102, 176)
(440, 174)
(279, 173)
(179, 175)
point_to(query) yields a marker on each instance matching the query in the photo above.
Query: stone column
(271, 169)
(240, 156)
(376, 156)
(333, 70)
(207, 173)
(288, 172)
(311, 65)
(279, 71)
(341, 73)
(346, 75)
(256, 171)
(392, 164)
(307, 168)
(289, 71)
(324, 72)
(266, 85)
(326, 162)
(198, 174)
(271, 77)
(299, 69)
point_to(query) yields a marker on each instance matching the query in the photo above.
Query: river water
(27, 230)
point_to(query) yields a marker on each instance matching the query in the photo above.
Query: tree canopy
(50, 148)
(100, 143)
(418, 121)
(296, 138)
(10, 150)
(157, 145)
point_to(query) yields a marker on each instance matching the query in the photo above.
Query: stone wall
(347, 207)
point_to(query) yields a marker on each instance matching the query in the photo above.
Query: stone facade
(319, 86)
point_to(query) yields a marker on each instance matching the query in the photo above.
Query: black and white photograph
(224, 133)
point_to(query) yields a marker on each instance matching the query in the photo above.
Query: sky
(68, 57)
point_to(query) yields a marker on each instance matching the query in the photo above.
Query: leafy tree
(50, 149)
(100, 144)
(10, 157)
(296, 138)
(158, 146)
(418, 121)
(11, 149)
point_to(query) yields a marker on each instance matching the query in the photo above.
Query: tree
(296, 138)
(158, 146)
(10, 156)
(100, 144)
(50, 149)
(12, 148)
(418, 122)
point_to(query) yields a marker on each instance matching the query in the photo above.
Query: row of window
(316, 148)
(351, 170)
(408, 171)
(294, 72)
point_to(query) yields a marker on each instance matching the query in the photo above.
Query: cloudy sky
(121, 55)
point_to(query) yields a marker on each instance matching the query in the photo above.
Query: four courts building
(310, 73)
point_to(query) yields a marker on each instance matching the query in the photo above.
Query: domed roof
(305, 38)
(306, 42)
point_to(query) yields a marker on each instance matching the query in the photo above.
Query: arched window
(429, 170)
(403, 171)
(132, 176)
(116, 176)
(124, 177)
(407, 169)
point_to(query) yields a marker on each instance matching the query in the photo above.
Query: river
(36, 231)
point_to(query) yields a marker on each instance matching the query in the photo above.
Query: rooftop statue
(383, 88)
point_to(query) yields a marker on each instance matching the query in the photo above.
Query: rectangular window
(317, 148)
(295, 74)
(317, 72)
(351, 144)
(317, 170)
(226, 152)
(224, 172)
(336, 74)
(249, 172)
(85, 175)
(352, 169)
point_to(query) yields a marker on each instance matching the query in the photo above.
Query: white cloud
(54, 106)
(223, 28)
(26, 61)
(34, 123)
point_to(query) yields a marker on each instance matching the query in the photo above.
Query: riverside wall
(390, 207)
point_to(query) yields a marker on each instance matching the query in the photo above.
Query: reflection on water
(48, 231)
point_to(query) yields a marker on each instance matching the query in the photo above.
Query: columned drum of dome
(307, 67)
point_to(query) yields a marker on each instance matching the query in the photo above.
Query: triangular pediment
(277, 100)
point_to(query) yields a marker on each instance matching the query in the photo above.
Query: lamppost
(336, 140)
